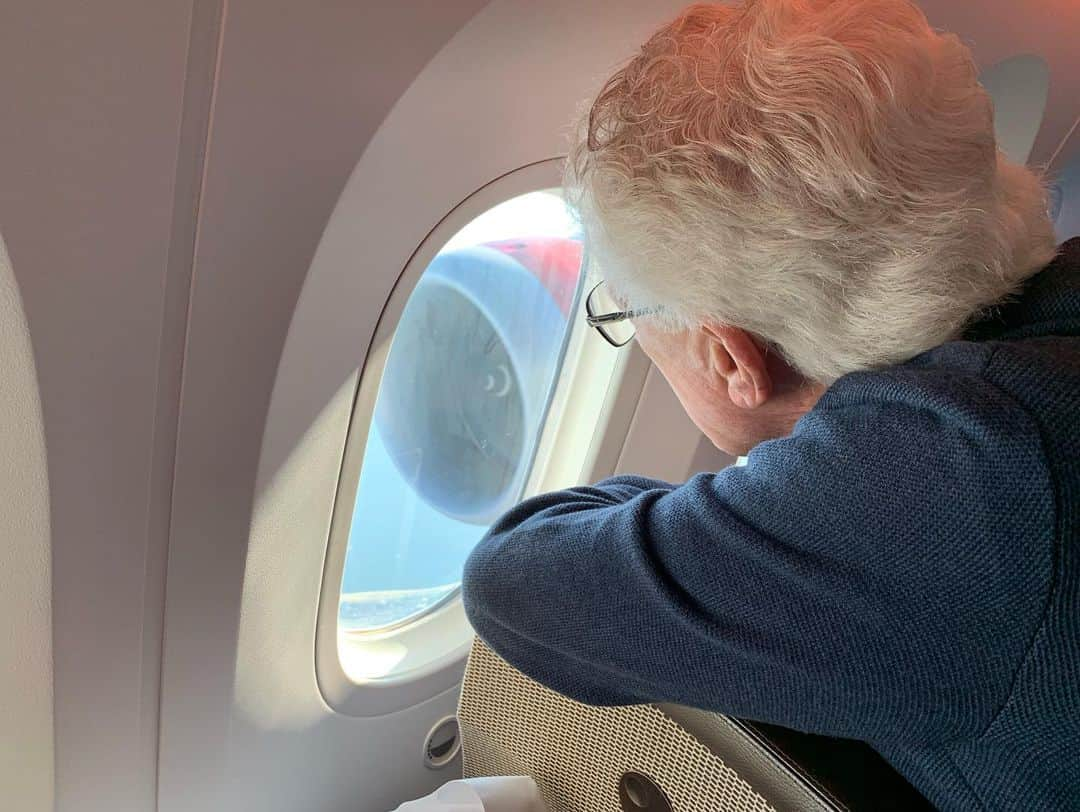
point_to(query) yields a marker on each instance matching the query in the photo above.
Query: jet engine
(470, 372)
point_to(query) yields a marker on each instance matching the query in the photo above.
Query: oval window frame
(416, 660)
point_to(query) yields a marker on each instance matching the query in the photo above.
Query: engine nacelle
(470, 371)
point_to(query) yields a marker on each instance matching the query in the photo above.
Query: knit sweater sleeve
(881, 567)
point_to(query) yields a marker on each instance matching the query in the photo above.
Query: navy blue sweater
(904, 569)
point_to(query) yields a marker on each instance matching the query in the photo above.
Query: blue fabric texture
(903, 569)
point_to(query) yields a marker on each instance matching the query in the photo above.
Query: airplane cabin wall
(26, 680)
(88, 162)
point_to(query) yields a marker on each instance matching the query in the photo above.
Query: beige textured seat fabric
(703, 762)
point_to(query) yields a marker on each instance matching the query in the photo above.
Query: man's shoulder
(1011, 398)
(947, 394)
(929, 475)
(935, 448)
(955, 365)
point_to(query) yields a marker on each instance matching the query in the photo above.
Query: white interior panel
(26, 679)
(88, 160)
(663, 442)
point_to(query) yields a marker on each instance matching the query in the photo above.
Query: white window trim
(374, 673)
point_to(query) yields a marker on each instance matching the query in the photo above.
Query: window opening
(463, 397)
(1065, 201)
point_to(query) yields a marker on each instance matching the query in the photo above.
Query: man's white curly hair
(821, 173)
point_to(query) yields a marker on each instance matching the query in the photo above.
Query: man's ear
(736, 356)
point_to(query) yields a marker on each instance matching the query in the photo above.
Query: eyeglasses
(604, 313)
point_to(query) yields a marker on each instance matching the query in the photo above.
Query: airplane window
(1065, 201)
(1018, 87)
(463, 397)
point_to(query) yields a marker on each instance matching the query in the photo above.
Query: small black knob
(639, 793)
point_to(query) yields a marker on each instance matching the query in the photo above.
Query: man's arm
(832, 585)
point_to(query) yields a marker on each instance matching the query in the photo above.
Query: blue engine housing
(467, 382)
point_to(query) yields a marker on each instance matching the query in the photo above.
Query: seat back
(579, 754)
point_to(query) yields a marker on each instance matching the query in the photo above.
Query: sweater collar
(1047, 305)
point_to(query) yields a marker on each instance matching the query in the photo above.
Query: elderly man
(800, 208)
